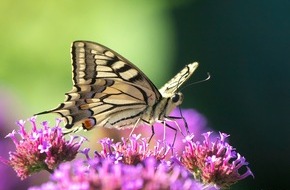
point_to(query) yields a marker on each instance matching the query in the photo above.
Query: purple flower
(103, 173)
(40, 149)
(129, 164)
(214, 162)
(8, 179)
(131, 151)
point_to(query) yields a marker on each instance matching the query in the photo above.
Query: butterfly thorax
(160, 110)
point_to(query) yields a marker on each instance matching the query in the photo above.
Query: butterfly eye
(177, 97)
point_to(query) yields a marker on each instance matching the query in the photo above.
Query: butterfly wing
(173, 85)
(92, 61)
(108, 90)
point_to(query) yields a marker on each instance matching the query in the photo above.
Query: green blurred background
(243, 44)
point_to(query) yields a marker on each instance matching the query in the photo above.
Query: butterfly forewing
(172, 86)
(92, 61)
(110, 91)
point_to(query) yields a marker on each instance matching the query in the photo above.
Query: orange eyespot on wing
(89, 123)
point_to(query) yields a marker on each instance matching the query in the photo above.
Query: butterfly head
(176, 98)
(173, 101)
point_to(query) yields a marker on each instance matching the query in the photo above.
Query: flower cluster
(129, 164)
(103, 173)
(132, 150)
(207, 163)
(40, 149)
(214, 162)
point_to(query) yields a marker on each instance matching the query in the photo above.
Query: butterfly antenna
(197, 82)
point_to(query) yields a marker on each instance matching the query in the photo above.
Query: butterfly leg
(173, 119)
(134, 127)
(152, 134)
(166, 125)
(184, 121)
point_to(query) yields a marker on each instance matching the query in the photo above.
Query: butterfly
(109, 91)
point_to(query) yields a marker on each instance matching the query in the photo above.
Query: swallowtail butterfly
(109, 91)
